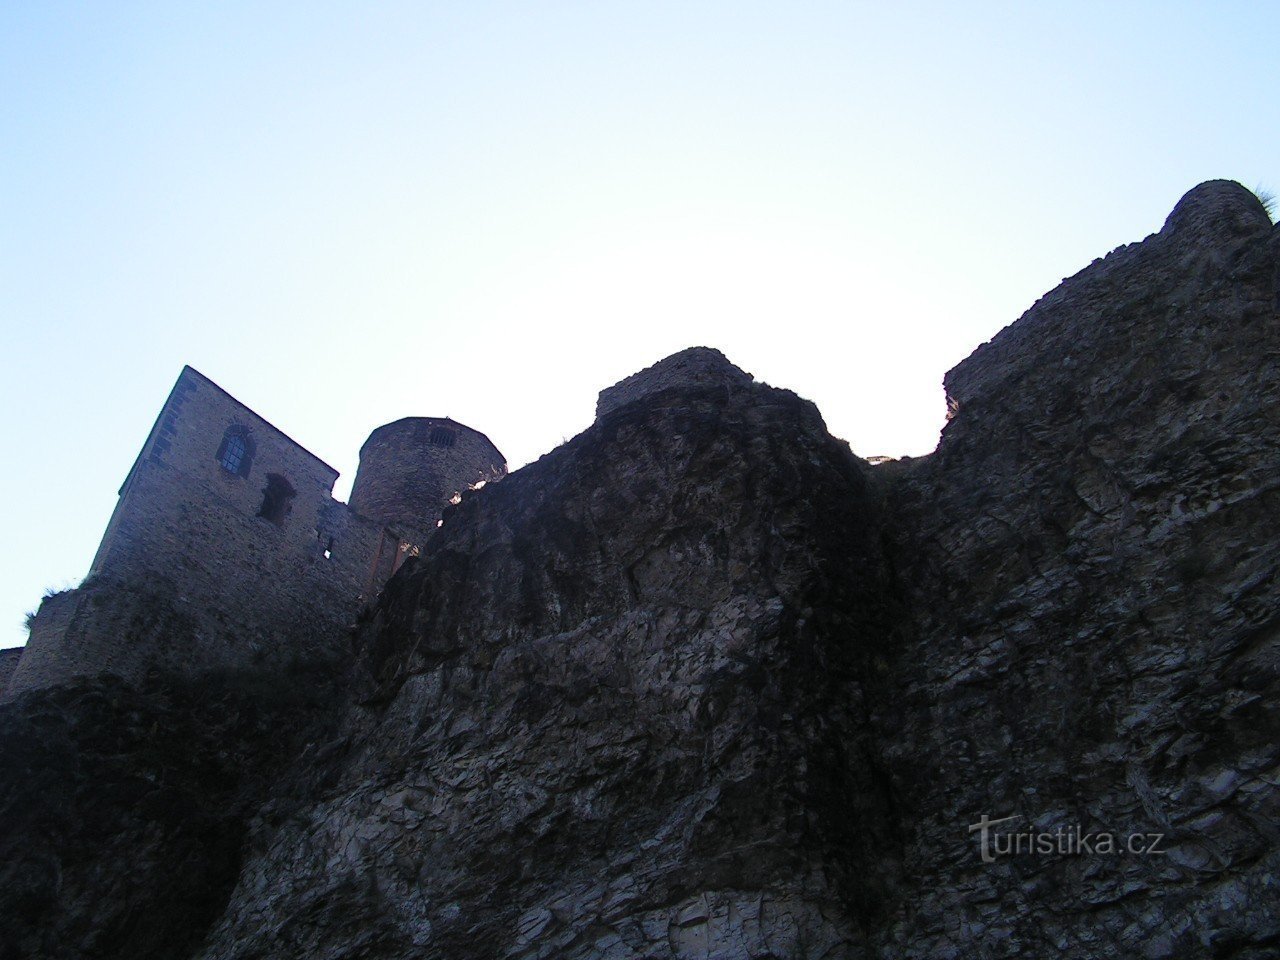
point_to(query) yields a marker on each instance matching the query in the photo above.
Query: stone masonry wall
(181, 600)
(104, 627)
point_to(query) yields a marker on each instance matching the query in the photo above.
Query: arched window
(442, 437)
(235, 453)
(277, 499)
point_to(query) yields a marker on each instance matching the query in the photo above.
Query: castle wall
(100, 628)
(193, 584)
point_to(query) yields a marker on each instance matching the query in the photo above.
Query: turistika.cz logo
(1068, 841)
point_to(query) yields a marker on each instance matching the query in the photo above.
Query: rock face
(1090, 562)
(616, 710)
(701, 683)
(124, 812)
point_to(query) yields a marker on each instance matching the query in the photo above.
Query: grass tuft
(1268, 201)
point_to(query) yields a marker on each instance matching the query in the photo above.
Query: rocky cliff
(1090, 563)
(617, 709)
(701, 683)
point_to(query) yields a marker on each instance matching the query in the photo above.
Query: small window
(235, 453)
(277, 499)
(442, 437)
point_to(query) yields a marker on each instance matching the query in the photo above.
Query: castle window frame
(442, 437)
(235, 453)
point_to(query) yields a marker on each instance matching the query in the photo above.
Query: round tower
(411, 469)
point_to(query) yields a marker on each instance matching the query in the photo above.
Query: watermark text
(997, 838)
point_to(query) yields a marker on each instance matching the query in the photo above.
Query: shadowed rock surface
(124, 813)
(618, 709)
(1090, 558)
(701, 683)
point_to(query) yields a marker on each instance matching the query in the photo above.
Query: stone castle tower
(411, 468)
(226, 548)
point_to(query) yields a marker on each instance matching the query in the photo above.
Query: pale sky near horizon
(346, 214)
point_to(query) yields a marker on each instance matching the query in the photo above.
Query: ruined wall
(410, 469)
(695, 367)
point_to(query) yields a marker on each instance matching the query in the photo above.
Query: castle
(227, 549)
(699, 682)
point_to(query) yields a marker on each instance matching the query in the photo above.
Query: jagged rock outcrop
(701, 683)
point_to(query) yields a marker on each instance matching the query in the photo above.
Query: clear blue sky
(345, 214)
